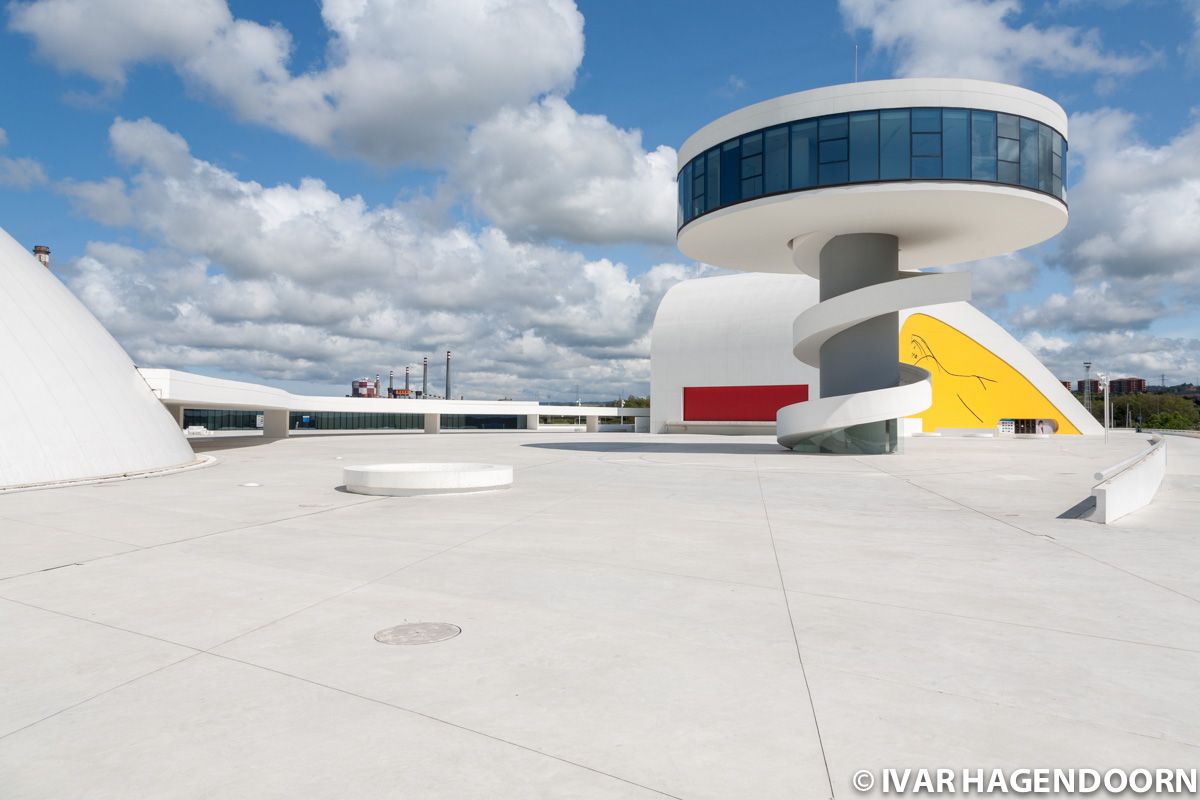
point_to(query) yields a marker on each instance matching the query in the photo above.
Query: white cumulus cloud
(296, 281)
(401, 80)
(548, 171)
(979, 39)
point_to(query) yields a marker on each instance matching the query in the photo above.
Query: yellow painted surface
(972, 386)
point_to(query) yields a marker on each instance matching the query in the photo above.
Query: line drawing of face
(964, 383)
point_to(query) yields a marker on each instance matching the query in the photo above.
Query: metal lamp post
(1105, 403)
(1087, 386)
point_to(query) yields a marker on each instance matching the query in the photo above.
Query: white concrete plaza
(642, 616)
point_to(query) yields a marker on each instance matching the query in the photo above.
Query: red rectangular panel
(739, 403)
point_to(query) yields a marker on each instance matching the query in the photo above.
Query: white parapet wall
(1130, 485)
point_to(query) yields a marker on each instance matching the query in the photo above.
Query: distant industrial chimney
(377, 384)
(447, 374)
(406, 380)
(42, 254)
(425, 376)
(391, 385)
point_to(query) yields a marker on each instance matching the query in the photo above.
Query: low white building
(722, 361)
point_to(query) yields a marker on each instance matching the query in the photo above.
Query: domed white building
(72, 404)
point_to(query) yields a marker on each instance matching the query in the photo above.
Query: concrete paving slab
(183, 598)
(659, 701)
(625, 632)
(27, 547)
(210, 727)
(50, 662)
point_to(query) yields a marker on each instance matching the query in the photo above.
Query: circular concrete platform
(429, 478)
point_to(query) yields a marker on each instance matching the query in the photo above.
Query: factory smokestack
(425, 376)
(377, 384)
(406, 380)
(447, 374)
(42, 254)
(391, 385)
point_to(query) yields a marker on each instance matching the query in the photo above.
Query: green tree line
(1150, 411)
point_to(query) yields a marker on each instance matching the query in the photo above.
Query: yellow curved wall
(972, 386)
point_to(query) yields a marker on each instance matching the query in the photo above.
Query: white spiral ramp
(807, 421)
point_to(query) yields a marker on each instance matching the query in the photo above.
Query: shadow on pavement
(734, 448)
(229, 443)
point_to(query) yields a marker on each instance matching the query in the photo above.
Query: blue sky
(306, 193)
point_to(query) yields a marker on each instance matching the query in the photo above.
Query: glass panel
(864, 146)
(956, 143)
(1056, 165)
(775, 178)
(685, 194)
(751, 167)
(804, 155)
(833, 150)
(1007, 126)
(833, 127)
(1008, 172)
(926, 168)
(712, 194)
(1044, 152)
(1056, 186)
(1029, 153)
(834, 173)
(1009, 150)
(926, 120)
(894, 145)
(983, 146)
(752, 144)
(731, 168)
(927, 144)
(751, 187)
(1058, 142)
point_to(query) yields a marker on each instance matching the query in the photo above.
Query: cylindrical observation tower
(860, 186)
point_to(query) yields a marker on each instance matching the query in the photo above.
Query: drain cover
(418, 633)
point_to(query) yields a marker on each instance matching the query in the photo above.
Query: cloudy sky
(308, 192)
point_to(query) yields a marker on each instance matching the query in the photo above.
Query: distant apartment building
(1092, 386)
(1127, 385)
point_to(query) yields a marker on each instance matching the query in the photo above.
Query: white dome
(72, 404)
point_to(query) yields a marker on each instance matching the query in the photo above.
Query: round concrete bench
(411, 479)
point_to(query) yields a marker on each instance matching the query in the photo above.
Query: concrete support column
(593, 424)
(864, 356)
(433, 423)
(532, 421)
(177, 413)
(275, 423)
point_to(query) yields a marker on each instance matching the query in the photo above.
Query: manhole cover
(418, 633)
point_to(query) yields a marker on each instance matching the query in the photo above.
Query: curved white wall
(736, 330)
(731, 330)
(987, 332)
(72, 405)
